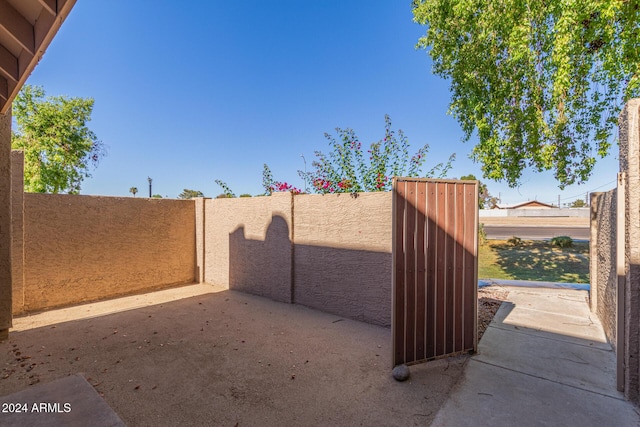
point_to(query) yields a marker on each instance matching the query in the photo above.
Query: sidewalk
(544, 360)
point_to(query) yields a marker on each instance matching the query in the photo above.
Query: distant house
(531, 204)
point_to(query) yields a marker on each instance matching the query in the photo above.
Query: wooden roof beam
(16, 26)
(49, 6)
(8, 64)
(4, 90)
(33, 40)
(43, 24)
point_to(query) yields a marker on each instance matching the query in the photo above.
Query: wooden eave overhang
(26, 30)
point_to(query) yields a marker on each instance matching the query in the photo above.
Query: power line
(589, 191)
(584, 192)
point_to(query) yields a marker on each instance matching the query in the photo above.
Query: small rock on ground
(401, 372)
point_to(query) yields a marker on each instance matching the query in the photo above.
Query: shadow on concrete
(544, 360)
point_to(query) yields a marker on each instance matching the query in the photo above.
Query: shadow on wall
(346, 282)
(262, 267)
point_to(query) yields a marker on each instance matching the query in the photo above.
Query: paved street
(534, 232)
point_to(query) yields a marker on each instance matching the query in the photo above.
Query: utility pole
(558, 201)
(305, 172)
(149, 179)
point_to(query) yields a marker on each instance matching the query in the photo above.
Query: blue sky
(186, 93)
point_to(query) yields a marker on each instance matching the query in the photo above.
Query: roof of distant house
(531, 204)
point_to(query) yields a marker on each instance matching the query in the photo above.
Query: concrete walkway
(544, 360)
(67, 401)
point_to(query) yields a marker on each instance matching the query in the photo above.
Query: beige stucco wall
(602, 261)
(629, 124)
(342, 255)
(83, 248)
(248, 244)
(5, 224)
(200, 218)
(616, 255)
(17, 214)
(330, 252)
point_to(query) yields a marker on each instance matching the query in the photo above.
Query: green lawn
(534, 260)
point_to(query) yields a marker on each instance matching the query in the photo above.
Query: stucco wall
(248, 244)
(200, 219)
(83, 248)
(5, 224)
(629, 125)
(602, 260)
(330, 252)
(618, 255)
(17, 222)
(342, 255)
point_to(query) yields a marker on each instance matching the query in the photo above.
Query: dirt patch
(228, 357)
(232, 359)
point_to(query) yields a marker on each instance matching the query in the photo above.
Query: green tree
(542, 82)
(133, 190)
(579, 203)
(485, 199)
(59, 148)
(190, 194)
(156, 196)
(346, 168)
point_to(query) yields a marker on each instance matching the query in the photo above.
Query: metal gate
(435, 268)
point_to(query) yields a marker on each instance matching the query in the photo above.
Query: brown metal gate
(435, 269)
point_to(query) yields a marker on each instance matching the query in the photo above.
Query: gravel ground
(489, 300)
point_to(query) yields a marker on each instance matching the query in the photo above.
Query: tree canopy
(579, 203)
(542, 82)
(485, 199)
(190, 194)
(59, 148)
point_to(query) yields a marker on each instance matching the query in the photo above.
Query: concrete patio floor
(219, 357)
(543, 360)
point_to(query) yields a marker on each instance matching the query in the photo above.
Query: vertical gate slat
(435, 268)
(459, 301)
(430, 261)
(421, 300)
(410, 266)
(450, 265)
(441, 240)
